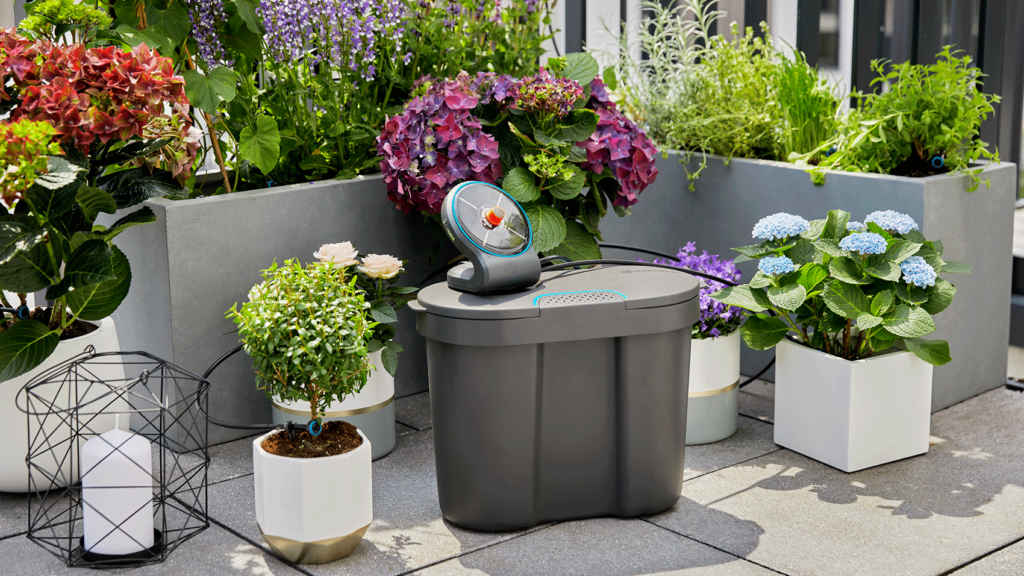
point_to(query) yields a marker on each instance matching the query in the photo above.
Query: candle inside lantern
(117, 493)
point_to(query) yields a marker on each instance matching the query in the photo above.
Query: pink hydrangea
(618, 145)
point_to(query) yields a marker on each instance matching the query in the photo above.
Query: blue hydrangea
(917, 272)
(779, 226)
(892, 221)
(864, 242)
(854, 226)
(776, 265)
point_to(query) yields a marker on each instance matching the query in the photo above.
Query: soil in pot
(79, 328)
(335, 438)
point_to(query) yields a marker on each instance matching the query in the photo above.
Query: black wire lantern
(117, 458)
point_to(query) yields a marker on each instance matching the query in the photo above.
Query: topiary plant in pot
(87, 131)
(848, 305)
(306, 329)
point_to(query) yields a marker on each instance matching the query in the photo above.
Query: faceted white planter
(372, 410)
(13, 430)
(713, 404)
(313, 510)
(852, 414)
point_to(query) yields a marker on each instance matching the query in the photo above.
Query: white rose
(381, 266)
(337, 255)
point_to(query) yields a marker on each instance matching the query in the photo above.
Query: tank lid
(637, 287)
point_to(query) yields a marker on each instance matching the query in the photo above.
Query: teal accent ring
(514, 201)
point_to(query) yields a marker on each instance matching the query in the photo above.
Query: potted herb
(847, 306)
(90, 131)
(878, 154)
(713, 404)
(554, 140)
(306, 330)
(371, 409)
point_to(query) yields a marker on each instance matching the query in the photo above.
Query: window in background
(829, 27)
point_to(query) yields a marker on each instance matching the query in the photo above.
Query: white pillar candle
(117, 493)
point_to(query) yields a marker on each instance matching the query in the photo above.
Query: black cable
(758, 375)
(451, 264)
(223, 424)
(638, 249)
(552, 258)
(632, 263)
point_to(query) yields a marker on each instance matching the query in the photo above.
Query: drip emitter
(555, 394)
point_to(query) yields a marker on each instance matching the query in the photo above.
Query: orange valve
(495, 216)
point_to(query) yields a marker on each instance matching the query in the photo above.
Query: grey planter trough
(975, 227)
(203, 255)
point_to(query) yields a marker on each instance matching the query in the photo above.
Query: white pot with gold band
(372, 410)
(713, 403)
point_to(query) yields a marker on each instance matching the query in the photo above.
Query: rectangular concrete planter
(975, 227)
(204, 255)
(855, 414)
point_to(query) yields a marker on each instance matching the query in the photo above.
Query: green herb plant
(924, 113)
(306, 330)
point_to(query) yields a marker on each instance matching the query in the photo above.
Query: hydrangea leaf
(831, 322)
(934, 352)
(831, 247)
(579, 244)
(548, 227)
(739, 296)
(23, 346)
(571, 188)
(881, 303)
(811, 275)
(909, 322)
(90, 264)
(933, 258)
(760, 280)
(882, 268)
(872, 227)
(846, 300)
(866, 320)
(28, 271)
(788, 297)
(18, 237)
(846, 270)
(803, 252)
(144, 215)
(756, 250)
(763, 332)
(911, 294)
(881, 340)
(835, 224)
(154, 38)
(581, 67)
(955, 268)
(169, 18)
(940, 296)
(98, 301)
(590, 216)
(914, 236)
(900, 250)
(262, 147)
(577, 126)
(815, 230)
(207, 92)
(93, 201)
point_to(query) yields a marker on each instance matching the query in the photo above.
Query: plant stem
(213, 133)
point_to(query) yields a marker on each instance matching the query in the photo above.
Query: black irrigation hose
(633, 263)
(223, 424)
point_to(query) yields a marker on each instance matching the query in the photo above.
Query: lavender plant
(716, 318)
(849, 289)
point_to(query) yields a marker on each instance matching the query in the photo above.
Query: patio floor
(748, 507)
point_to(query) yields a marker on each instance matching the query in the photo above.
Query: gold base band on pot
(338, 413)
(319, 552)
(715, 392)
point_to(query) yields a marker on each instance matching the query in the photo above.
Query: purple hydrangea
(207, 18)
(864, 243)
(716, 319)
(437, 141)
(619, 145)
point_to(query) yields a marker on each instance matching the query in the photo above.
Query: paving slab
(757, 400)
(753, 438)
(923, 515)
(414, 411)
(1006, 562)
(408, 530)
(401, 429)
(13, 514)
(597, 547)
(213, 552)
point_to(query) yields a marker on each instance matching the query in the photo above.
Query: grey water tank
(566, 400)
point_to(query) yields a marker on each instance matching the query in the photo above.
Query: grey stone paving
(748, 508)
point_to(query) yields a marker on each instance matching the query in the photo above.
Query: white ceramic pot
(15, 444)
(313, 510)
(713, 403)
(852, 414)
(372, 410)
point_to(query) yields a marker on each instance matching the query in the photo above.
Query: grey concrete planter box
(975, 227)
(204, 255)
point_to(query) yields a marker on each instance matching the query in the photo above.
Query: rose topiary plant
(90, 130)
(849, 289)
(554, 141)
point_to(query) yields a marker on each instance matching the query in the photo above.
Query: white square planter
(852, 414)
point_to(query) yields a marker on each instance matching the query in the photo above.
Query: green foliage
(52, 19)
(923, 112)
(306, 330)
(841, 302)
